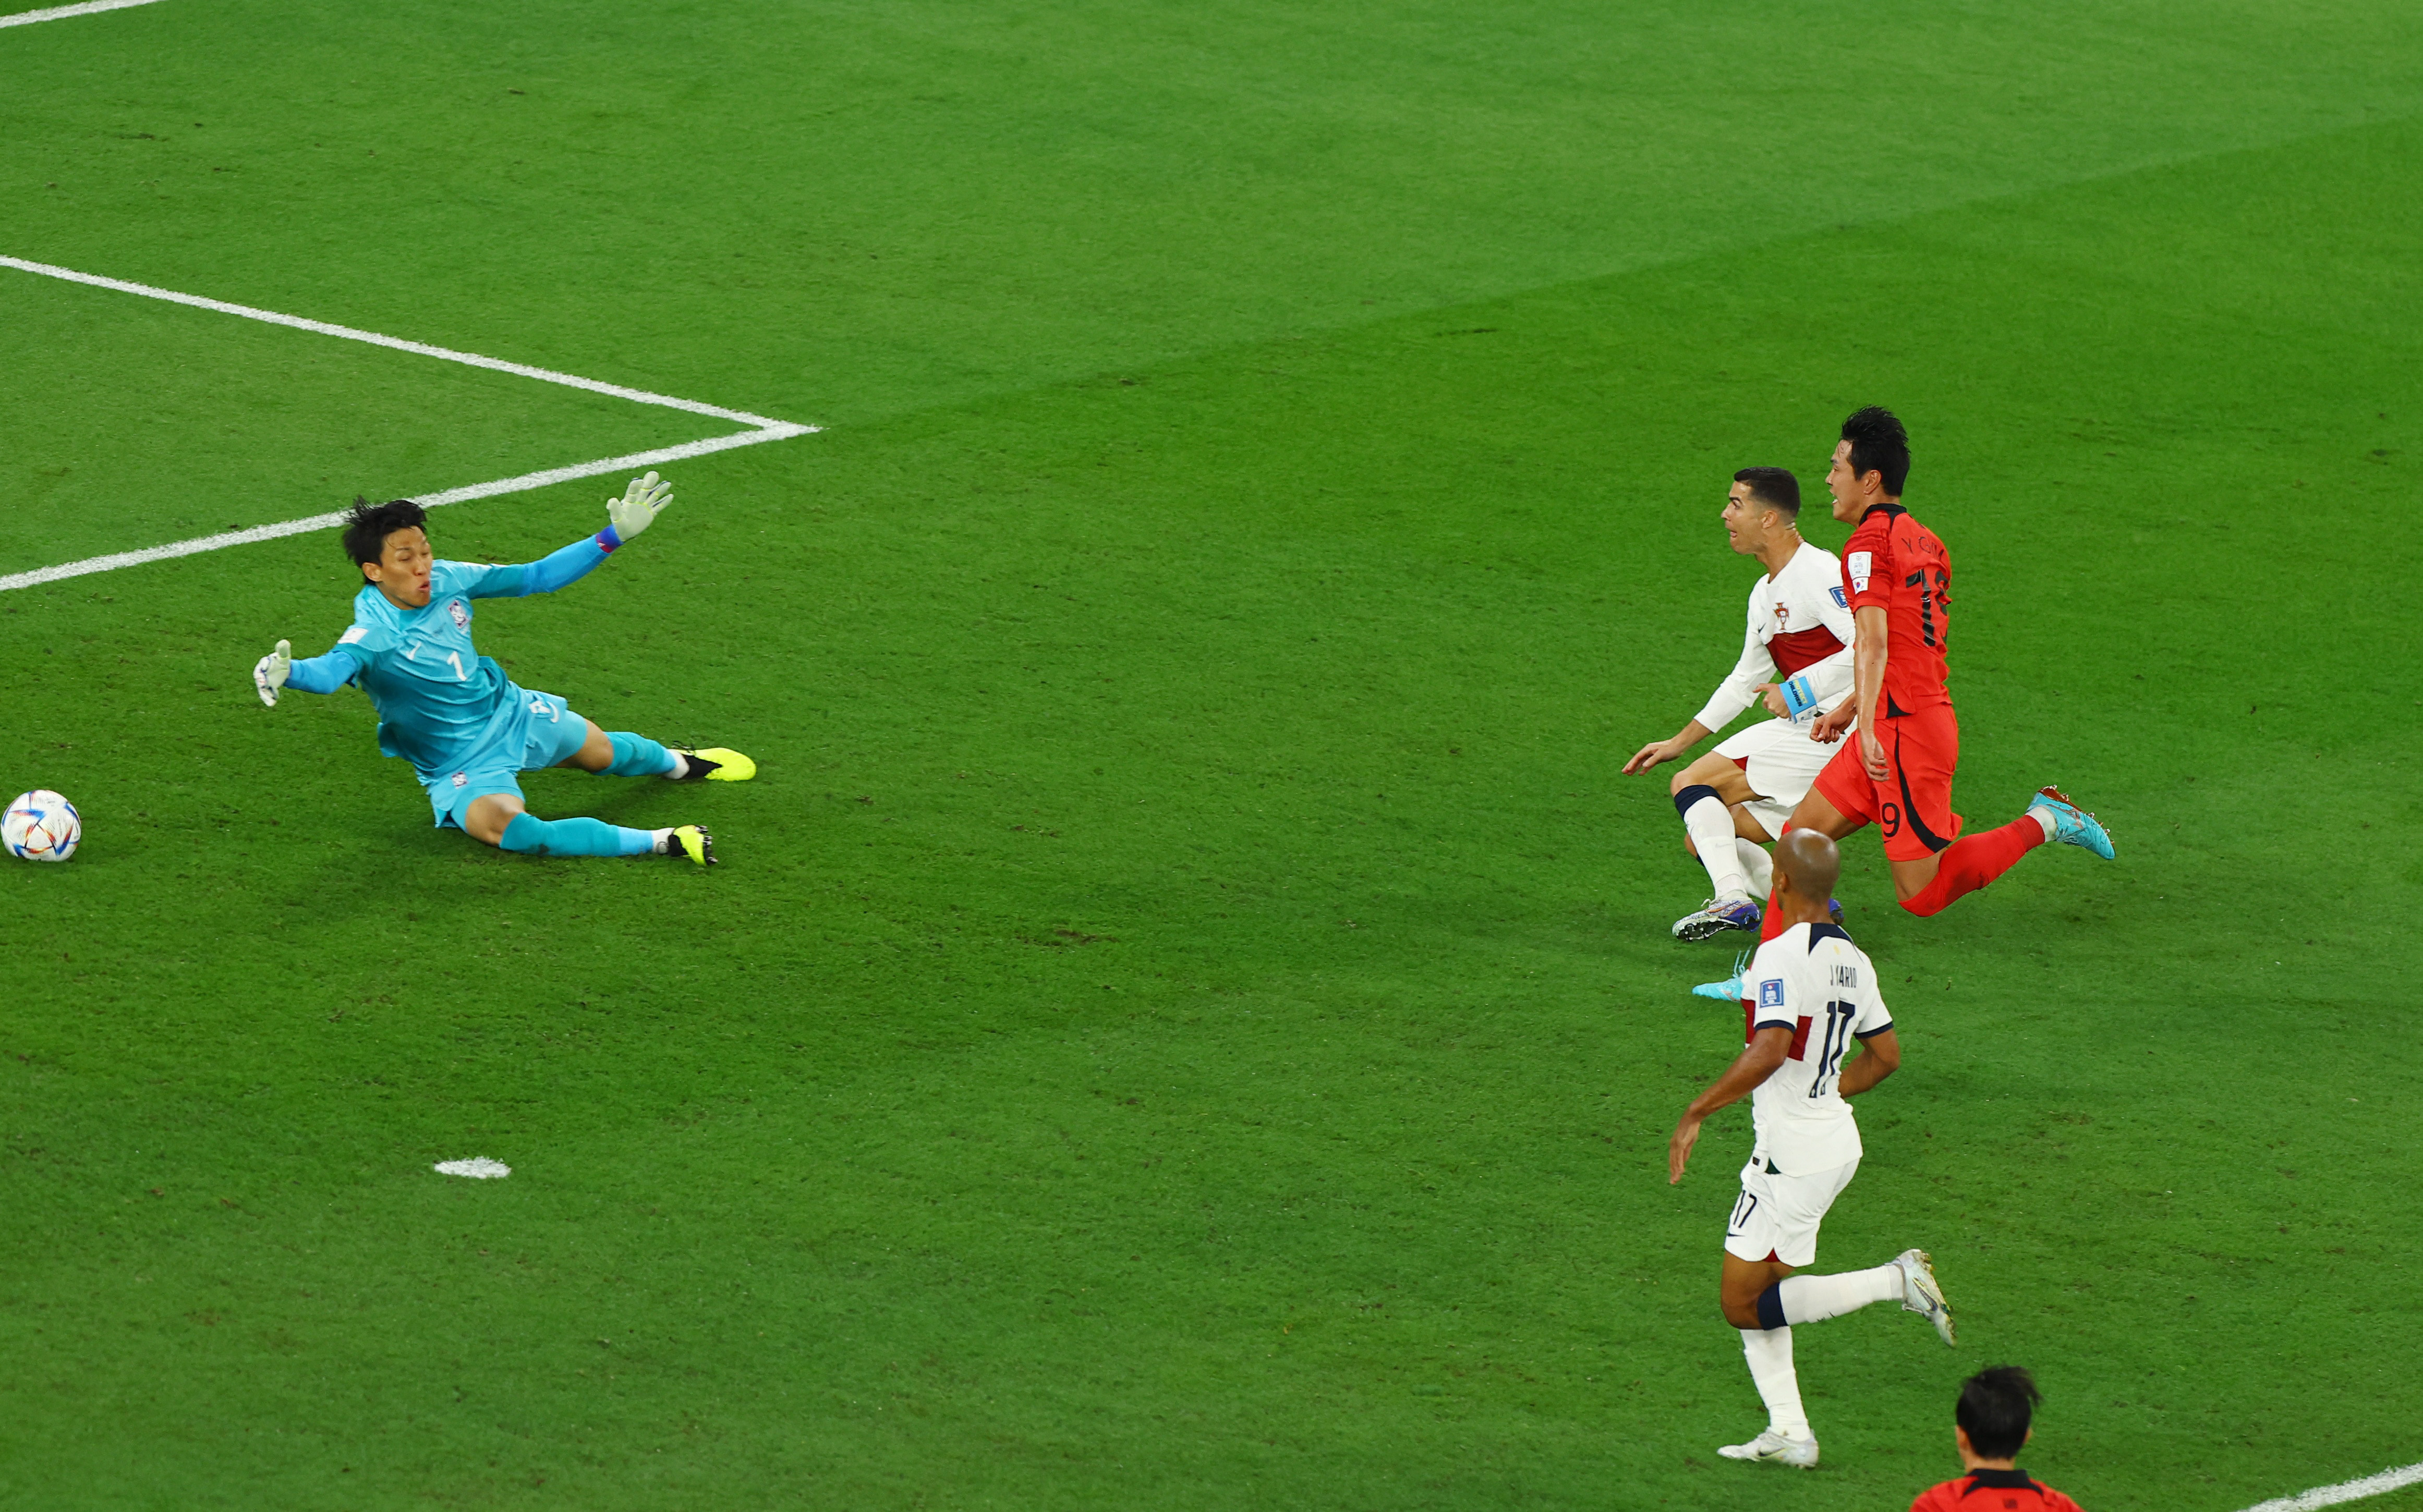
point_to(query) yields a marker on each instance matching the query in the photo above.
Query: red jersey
(1993, 1490)
(1893, 563)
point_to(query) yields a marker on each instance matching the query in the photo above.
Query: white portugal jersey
(1812, 981)
(1799, 622)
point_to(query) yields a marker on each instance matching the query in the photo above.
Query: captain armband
(1799, 698)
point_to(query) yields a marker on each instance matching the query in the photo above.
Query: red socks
(1967, 864)
(1973, 860)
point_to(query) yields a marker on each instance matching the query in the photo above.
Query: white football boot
(1774, 1449)
(1922, 1294)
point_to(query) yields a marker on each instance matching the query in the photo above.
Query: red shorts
(1914, 801)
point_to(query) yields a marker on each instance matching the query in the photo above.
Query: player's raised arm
(634, 511)
(279, 670)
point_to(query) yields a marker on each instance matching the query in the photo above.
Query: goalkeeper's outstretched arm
(279, 670)
(642, 502)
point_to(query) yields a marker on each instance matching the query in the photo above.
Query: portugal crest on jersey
(461, 616)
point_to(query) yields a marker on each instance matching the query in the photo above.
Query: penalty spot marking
(479, 1168)
(2354, 1491)
(761, 428)
(26, 17)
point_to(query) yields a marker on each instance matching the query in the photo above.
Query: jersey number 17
(1835, 1044)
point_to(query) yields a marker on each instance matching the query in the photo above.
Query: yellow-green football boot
(715, 765)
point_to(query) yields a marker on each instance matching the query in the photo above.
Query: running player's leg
(1933, 863)
(1791, 1299)
(1907, 1278)
(1756, 863)
(1764, 1298)
(1743, 1282)
(1752, 1266)
(1772, 765)
(1732, 902)
(1704, 795)
(1973, 860)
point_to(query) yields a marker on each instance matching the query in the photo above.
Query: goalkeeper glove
(638, 507)
(269, 673)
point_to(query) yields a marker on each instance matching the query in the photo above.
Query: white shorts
(1776, 1217)
(1779, 761)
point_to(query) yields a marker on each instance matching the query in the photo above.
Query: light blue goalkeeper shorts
(534, 730)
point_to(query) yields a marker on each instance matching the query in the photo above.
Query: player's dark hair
(1995, 1406)
(1774, 487)
(1878, 445)
(369, 525)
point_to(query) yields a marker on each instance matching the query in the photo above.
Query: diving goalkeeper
(451, 711)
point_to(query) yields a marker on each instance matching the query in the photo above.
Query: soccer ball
(40, 827)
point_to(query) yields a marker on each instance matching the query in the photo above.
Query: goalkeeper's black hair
(1995, 1406)
(1774, 487)
(369, 525)
(1878, 445)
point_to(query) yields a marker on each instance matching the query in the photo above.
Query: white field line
(761, 429)
(471, 360)
(26, 17)
(777, 431)
(2354, 1491)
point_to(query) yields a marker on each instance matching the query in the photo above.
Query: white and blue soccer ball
(41, 826)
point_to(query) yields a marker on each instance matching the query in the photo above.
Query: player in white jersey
(1796, 657)
(1814, 997)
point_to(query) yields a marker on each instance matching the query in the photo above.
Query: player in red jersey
(1990, 1427)
(1897, 772)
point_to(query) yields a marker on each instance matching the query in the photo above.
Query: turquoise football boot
(2072, 824)
(1730, 989)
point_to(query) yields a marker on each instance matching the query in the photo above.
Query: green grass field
(1187, 1019)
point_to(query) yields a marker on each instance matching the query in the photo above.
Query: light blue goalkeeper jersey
(440, 701)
